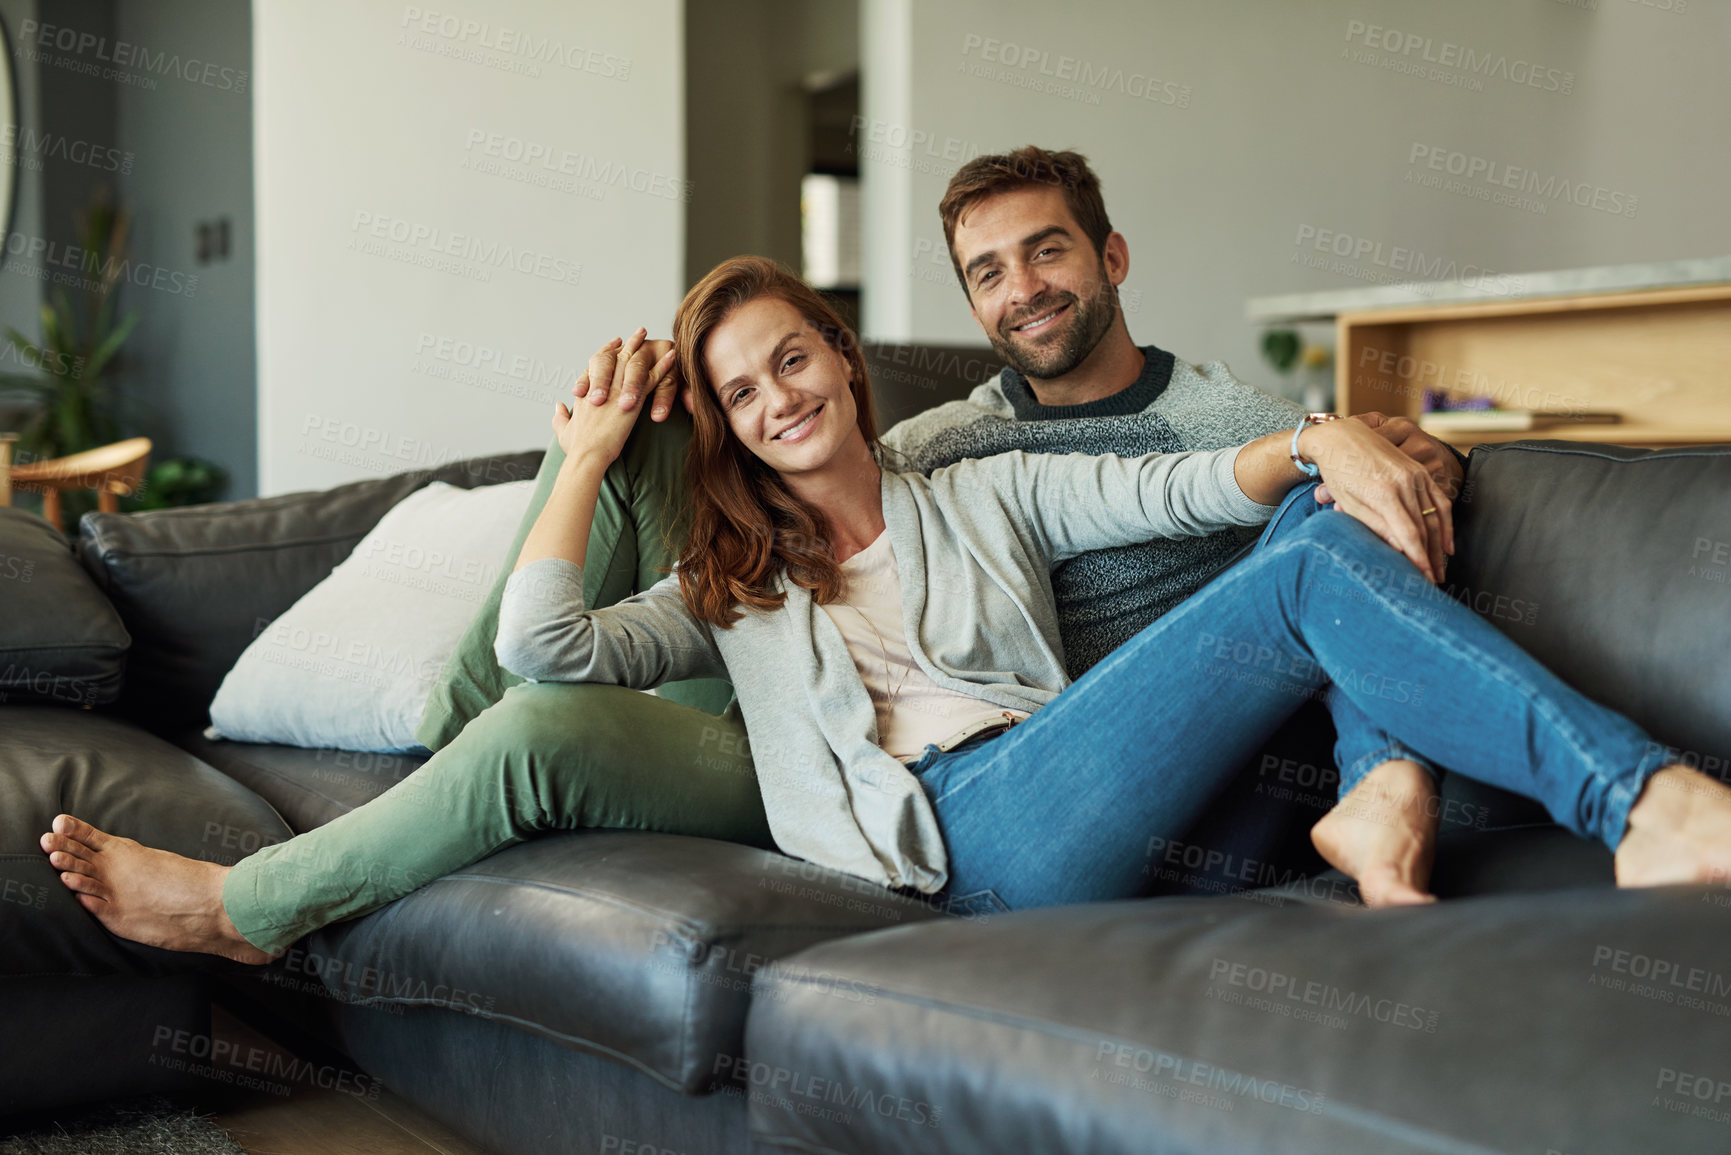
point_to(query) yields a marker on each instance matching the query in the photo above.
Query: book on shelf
(1509, 420)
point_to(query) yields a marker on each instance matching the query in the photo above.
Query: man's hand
(637, 374)
(596, 431)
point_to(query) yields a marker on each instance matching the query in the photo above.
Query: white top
(912, 710)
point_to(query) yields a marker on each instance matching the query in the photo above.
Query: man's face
(1041, 294)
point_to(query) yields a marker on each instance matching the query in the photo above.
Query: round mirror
(8, 138)
(15, 405)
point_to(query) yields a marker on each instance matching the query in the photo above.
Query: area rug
(147, 1125)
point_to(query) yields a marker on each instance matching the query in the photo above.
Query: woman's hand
(1396, 496)
(592, 433)
(644, 368)
(596, 430)
(1405, 435)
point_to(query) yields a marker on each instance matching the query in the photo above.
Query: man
(1039, 265)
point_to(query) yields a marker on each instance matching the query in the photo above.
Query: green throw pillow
(473, 680)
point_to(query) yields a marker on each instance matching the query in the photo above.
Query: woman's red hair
(745, 526)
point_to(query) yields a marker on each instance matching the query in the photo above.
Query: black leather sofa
(628, 992)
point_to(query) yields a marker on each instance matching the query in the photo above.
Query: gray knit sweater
(1107, 596)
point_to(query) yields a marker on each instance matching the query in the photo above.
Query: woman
(892, 641)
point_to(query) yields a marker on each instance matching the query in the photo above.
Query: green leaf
(50, 327)
(100, 356)
(1281, 347)
(28, 352)
(104, 316)
(67, 321)
(27, 381)
(181, 481)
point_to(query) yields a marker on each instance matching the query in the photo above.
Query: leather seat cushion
(635, 945)
(124, 781)
(308, 787)
(1575, 1020)
(639, 946)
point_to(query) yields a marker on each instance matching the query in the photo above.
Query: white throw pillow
(351, 664)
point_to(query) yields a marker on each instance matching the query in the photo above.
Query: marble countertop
(1325, 306)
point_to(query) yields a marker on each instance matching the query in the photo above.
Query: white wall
(1269, 129)
(370, 362)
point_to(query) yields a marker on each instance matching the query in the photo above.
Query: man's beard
(1083, 329)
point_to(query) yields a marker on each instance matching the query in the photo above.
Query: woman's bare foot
(1383, 834)
(1679, 831)
(149, 896)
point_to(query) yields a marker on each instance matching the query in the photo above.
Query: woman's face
(783, 390)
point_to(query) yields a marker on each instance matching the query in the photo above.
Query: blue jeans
(1360, 745)
(1076, 803)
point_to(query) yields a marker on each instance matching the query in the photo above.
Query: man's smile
(1040, 322)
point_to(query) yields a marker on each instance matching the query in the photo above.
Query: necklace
(883, 646)
(890, 702)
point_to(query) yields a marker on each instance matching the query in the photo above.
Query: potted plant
(77, 357)
(1286, 349)
(78, 362)
(177, 481)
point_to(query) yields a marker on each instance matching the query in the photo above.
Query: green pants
(546, 756)
(637, 531)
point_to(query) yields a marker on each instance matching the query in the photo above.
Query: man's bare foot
(1679, 831)
(149, 896)
(1383, 834)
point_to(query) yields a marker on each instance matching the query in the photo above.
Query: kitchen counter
(1325, 306)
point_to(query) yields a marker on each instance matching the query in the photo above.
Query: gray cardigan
(977, 540)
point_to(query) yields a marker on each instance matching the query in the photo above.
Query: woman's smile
(801, 429)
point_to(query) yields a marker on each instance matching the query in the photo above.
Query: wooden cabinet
(1661, 358)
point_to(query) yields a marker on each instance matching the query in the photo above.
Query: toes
(80, 830)
(60, 860)
(92, 904)
(84, 885)
(70, 847)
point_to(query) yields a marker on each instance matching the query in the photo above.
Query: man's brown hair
(986, 176)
